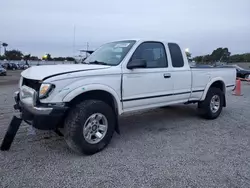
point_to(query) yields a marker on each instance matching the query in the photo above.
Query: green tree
(220, 54)
(206, 59)
(240, 58)
(246, 57)
(27, 57)
(70, 59)
(49, 57)
(236, 58)
(13, 55)
(188, 54)
(58, 58)
(34, 58)
(198, 59)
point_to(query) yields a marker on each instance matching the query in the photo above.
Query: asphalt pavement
(169, 147)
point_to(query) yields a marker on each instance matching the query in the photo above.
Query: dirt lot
(169, 147)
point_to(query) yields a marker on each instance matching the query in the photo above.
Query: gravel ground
(11, 78)
(169, 147)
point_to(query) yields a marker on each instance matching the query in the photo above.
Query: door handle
(167, 75)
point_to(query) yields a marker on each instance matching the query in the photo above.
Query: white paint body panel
(41, 72)
(132, 89)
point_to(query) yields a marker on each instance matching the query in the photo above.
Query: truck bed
(209, 66)
(203, 76)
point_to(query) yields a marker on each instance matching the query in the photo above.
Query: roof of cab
(142, 39)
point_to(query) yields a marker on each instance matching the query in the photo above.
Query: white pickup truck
(119, 77)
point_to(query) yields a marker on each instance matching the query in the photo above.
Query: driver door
(151, 86)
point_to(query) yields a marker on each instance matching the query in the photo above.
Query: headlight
(45, 89)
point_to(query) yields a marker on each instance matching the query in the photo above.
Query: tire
(76, 120)
(246, 76)
(204, 107)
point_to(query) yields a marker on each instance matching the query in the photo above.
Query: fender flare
(92, 87)
(213, 80)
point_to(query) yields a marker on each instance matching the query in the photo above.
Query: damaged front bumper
(39, 115)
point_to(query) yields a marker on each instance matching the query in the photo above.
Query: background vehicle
(18, 65)
(10, 66)
(22, 66)
(3, 71)
(240, 72)
(118, 78)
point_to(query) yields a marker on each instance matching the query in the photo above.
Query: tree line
(221, 55)
(218, 55)
(18, 55)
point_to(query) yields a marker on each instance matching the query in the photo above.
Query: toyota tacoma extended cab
(119, 77)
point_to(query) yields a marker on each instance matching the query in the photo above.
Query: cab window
(153, 52)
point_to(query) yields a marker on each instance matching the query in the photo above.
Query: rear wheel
(211, 107)
(89, 126)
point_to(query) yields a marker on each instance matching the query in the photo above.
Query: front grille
(34, 84)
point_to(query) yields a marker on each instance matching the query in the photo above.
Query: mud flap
(224, 101)
(58, 132)
(11, 133)
(117, 128)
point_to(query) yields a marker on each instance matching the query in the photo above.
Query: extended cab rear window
(176, 55)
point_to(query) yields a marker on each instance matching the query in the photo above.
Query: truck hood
(45, 71)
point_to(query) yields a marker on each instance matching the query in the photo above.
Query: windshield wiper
(98, 63)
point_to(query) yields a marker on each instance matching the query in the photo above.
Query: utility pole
(74, 40)
(0, 48)
(87, 49)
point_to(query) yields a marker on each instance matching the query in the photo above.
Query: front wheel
(89, 126)
(211, 107)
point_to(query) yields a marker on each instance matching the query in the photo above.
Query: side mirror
(137, 63)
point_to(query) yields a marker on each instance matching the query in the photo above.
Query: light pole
(0, 48)
(5, 46)
(74, 39)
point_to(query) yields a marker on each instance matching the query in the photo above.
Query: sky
(62, 27)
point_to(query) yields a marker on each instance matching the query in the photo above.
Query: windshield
(110, 53)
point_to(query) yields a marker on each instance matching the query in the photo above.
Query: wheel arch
(95, 91)
(217, 83)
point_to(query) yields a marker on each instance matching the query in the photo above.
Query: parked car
(19, 66)
(118, 78)
(240, 72)
(5, 65)
(22, 66)
(10, 66)
(14, 66)
(3, 71)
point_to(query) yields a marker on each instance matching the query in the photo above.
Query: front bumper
(41, 116)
